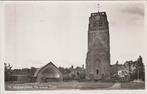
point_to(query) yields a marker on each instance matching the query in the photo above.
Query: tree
(140, 72)
(8, 71)
(32, 70)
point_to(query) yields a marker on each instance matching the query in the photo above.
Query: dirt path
(115, 86)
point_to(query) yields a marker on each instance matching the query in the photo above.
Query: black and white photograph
(52, 46)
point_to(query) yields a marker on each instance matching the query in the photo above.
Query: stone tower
(98, 56)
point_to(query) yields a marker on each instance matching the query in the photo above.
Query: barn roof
(49, 64)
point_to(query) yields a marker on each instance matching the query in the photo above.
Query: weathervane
(98, 5)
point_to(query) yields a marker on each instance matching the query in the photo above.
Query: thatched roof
(48, 66)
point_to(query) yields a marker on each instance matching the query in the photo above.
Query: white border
(2, 3)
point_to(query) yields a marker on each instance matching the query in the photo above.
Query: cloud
(134, 9)
(132, 14)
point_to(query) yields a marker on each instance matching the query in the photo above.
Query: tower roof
(99, 13)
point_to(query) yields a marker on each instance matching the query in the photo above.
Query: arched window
(97, 71)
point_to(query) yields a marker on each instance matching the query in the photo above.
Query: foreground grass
(132, 85)
(74, 85)
(58, 85)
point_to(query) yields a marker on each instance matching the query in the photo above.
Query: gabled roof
(49, 64)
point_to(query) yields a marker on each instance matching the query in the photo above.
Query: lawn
(132, 85)
(58, 85)
(74, 85)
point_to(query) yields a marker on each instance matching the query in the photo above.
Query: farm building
(47, 73)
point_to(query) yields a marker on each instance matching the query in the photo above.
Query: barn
(48, 73)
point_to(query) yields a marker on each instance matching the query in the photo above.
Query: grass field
(73, 85)
(132, 85)
(58, 85)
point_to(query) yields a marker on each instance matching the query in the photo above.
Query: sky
(37, 33)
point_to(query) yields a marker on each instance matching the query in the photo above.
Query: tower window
(97, 71)
(78, 73)
(100, 24)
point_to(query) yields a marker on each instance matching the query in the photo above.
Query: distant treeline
(128, 71)
(68, 73)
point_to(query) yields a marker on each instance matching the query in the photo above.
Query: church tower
(98, 56)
